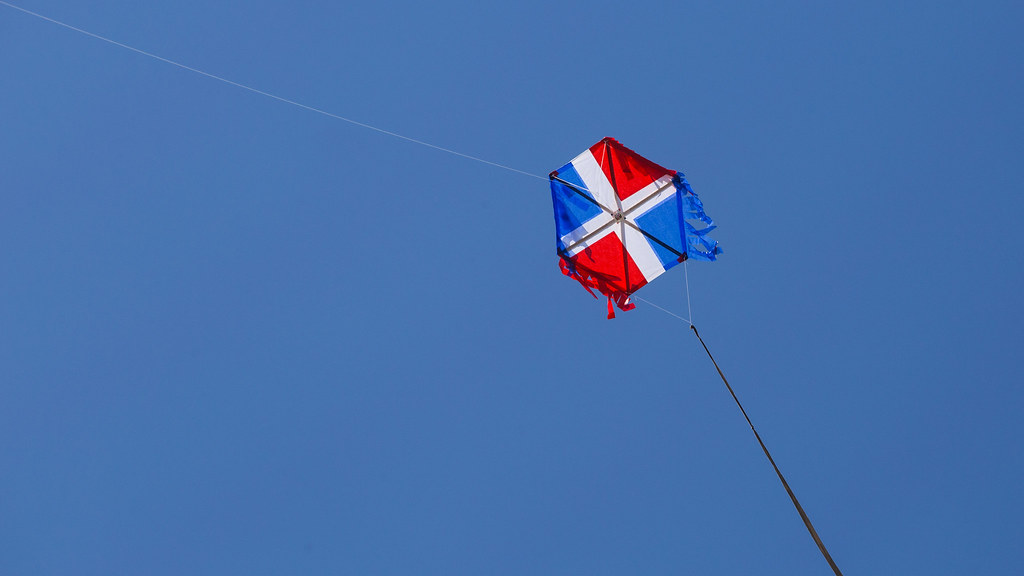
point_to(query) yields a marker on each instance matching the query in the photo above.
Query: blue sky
(240, 337)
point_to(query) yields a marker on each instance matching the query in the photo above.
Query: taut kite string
(792, 496)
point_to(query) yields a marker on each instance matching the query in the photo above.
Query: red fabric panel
(628, 171)
(601, 265)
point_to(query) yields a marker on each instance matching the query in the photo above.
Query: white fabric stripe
(587, 228)
(641, 252)
(641, 196)
(639, 249)
(604, 219)
(574, 250)
(594, 179)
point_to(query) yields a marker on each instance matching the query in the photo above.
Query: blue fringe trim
(698, 245)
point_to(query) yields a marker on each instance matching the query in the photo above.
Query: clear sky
(240, 337)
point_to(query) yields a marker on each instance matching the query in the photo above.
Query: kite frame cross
(621, 216)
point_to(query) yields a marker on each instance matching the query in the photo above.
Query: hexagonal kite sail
(622, 220)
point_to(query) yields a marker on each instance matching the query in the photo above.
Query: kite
(621, 221)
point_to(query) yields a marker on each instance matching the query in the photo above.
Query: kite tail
(591, 282)
(698, 245)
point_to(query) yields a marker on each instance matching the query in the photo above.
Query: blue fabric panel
(663, 223)
(571, 210)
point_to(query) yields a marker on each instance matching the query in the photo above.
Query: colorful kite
(621, 221)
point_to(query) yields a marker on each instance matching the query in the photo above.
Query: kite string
(268, 94)
(792, 496)
(789, 491)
